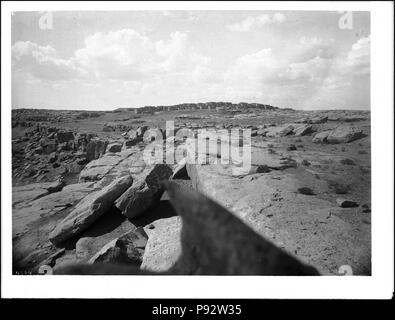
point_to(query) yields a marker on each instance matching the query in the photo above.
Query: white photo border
(377, 286)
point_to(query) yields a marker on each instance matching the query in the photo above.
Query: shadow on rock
(214, 242)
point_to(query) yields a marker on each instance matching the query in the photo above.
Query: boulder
(56, 186)
(321, 137)
(131, 134)
(262, 132)
(39, 150)
(279, 131)
(91, 208)
(108, 128)
(128, 248)
(306, 191)
(33, 220)
(164, 245)
(353, 119)
(111, 226)
(264, 158)
(344, 134)
(303, 130)
(64, 146)
(31, 192)
(141, 130)
(321, 119)
(114, 147)
(345, 203)
(64, 136)
(97, 169)
(95, 149)
(52, 157)
(145, 190)
(81, 159)
(132, 142)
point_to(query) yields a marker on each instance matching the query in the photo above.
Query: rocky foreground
(88, 198)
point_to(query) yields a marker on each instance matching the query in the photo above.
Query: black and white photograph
(189, 141)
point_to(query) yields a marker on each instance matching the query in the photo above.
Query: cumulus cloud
(311, 70)
(310, 47)
(257, 22)
(119, 55)
(126, 54)
(43, 62)
(307, 76)
(358, 58)
(261, 66)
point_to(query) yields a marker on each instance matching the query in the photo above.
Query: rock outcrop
(95, 149)
(126, 249)
(145, 191)
(321, 137)
(90, 209)
(344, 134)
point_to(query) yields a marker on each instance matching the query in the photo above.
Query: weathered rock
(306, 190)
(108, 128)
(321, 137)
(64, 146)
(345, 203)
(82, 161)
(347, 161)
(131, 134)
(353, 119)
(64, 136)
(132, 142)
(262, 132)
(164, 245)
(214, 241)
(91, 208)
(344, 134)
(95, 149)
(28, 192)
(33, 220)
(126, 249)
(279, 131)
(97, 169)
(110, 226)
(52, 157)
(281, 221)
(273, 161)
(321, 119)
(303, 130)
(39, 150)
(141, 130)
(145, 191)
(56, 186)
(31, 192)
(50, 261)
(114, 147)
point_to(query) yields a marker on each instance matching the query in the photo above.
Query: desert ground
(82, 194)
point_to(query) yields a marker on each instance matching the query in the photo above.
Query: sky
(87, 60)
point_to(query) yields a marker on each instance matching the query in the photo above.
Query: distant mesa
(217, 106)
